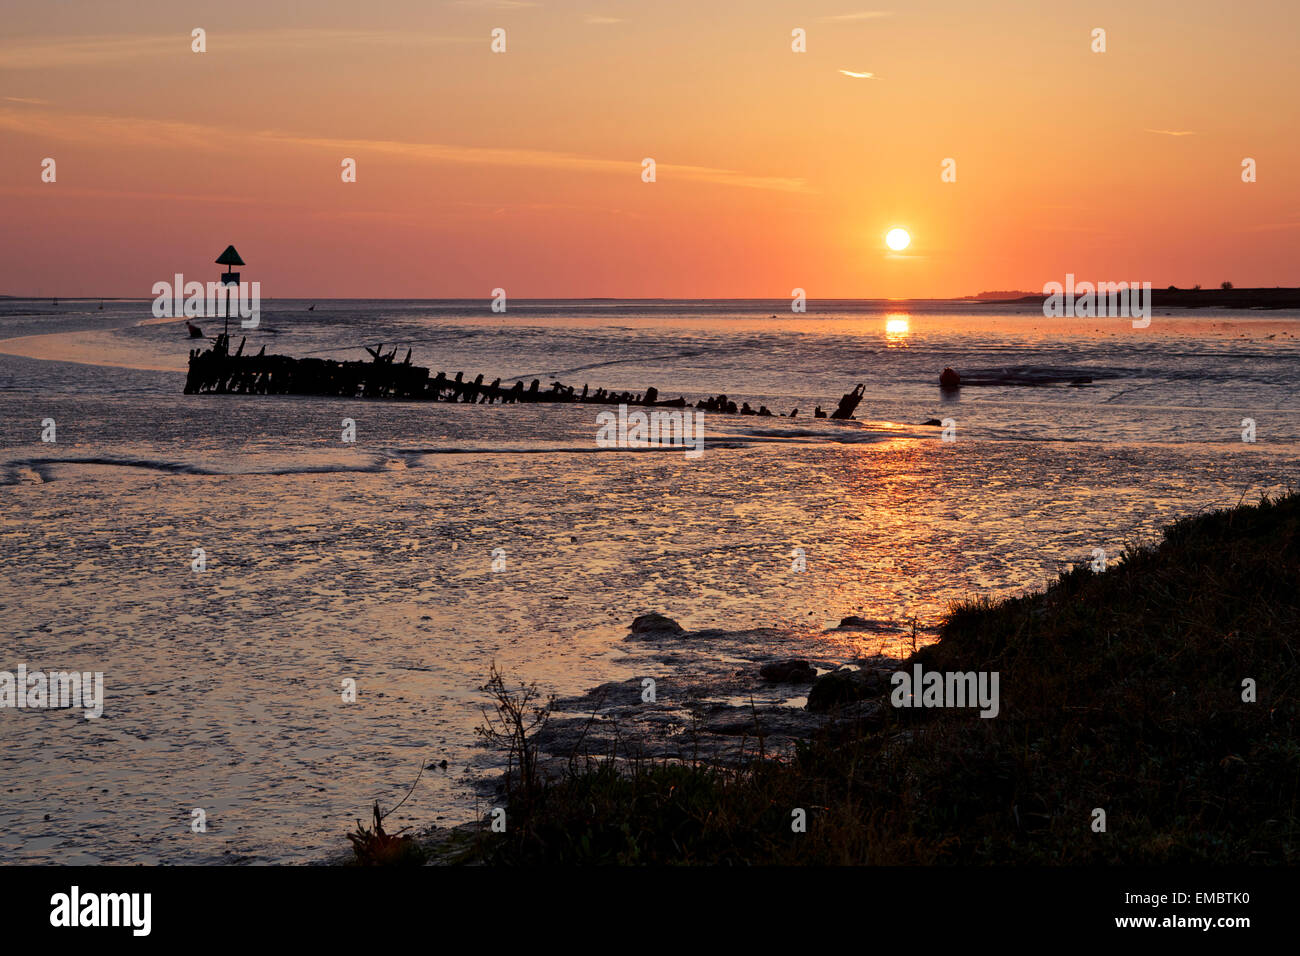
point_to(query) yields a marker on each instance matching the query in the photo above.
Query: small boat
(195, 331)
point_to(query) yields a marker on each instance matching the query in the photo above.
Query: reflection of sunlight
(896, 328)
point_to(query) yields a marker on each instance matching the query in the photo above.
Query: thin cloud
(92, 51)
(605, 20)
(72, 51)
(497, 4)
(540, 159)
(860, 15)
(1271, 226)
(118, 195)
(27, 100)
(94, 128)
(859, 76)
(1172, 132)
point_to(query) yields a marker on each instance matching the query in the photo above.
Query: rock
(854, 621)
(788, 672)
(653, 624)
(841, 687)
(767, 722)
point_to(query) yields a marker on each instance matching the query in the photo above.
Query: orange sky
(523, 170)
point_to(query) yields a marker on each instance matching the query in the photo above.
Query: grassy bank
(1120, 690)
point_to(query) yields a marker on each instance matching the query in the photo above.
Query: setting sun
(898, 239)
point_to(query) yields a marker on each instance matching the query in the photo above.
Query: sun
(898, 239)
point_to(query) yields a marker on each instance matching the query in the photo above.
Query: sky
(522, 170)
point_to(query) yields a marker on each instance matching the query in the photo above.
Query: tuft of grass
(1121, 690)
(374, 847)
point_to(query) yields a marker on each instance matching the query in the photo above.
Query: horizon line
(980, 296)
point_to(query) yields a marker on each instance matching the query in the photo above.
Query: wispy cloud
(541, 159)
(121, 195)
(597, 19)
(859, 76)
(30, 101)
(86, 51)
(63, 52)
(860, 15)
(1271, 226)
(1172, 132)
(134, 131)
(497, 4)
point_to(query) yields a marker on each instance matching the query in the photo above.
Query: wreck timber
(218, 371)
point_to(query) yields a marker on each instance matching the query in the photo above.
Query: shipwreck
(218, 371)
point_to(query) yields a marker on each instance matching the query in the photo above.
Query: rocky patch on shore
(724, 706)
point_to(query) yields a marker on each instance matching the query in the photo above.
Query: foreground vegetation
(1120, 690)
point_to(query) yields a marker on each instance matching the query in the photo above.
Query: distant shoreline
(1277, 298)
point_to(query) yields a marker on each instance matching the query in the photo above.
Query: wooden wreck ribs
(217, 371)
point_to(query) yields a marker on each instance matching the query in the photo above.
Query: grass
(372, 846)
(1120, 690)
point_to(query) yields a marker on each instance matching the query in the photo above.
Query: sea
(292, 626)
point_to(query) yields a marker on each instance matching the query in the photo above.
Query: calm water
(373, 560)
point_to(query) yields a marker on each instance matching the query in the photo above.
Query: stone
(655, 624)
(788, 672)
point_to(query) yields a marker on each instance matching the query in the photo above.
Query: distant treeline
(1229, 298)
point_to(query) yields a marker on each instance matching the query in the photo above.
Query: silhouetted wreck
(1028, 375)
(218, 371)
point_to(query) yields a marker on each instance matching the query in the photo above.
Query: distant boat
(311, 308)
(195, 331)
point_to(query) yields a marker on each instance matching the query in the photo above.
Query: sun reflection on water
(897, 327)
